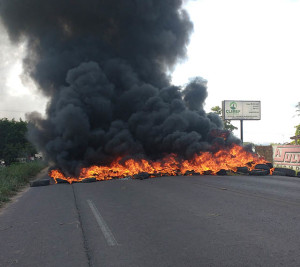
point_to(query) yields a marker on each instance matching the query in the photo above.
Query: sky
(245, 49)
(18, 95)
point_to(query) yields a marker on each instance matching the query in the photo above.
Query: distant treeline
(13, 142)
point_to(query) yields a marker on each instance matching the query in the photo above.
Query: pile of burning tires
(267, 169)
(259, 170)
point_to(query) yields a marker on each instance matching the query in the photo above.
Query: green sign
(241, 110)
(233, 108)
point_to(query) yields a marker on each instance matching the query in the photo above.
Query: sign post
(242, 132)
(241, 110)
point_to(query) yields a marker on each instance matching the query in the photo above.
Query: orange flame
(226, 159)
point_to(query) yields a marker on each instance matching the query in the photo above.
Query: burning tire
(243, 170)
(222, 172)
(278, 173)
(269, 164)
(262, 167)
(256, 172)
(42, 182)
(89, 180)
(142, 176)
(286, 172)
(61, 181)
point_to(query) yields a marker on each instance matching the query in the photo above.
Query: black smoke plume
(104, 64)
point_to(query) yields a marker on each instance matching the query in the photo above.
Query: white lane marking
(110, 239)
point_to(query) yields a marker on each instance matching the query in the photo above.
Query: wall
(287, 156)
(265, 151)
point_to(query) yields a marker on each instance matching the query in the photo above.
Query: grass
(16, 176)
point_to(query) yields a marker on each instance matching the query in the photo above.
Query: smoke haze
(104, 64)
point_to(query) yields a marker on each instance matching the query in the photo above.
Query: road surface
(168, 221)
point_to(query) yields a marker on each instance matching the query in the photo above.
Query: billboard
(241, 110)
(287, 156)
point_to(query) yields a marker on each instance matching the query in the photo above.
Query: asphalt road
(169, 221)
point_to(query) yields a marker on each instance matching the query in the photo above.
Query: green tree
(297, 132)
(13, 142)
(227, 123)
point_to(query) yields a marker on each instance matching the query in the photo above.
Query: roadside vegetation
(227, 123)
(297, 127)
(18, 158)
(14, 145)
(14, 177)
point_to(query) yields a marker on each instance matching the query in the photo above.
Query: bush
(14, 177)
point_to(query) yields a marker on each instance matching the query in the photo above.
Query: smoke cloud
(104, 64)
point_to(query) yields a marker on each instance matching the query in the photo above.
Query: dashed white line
(110, 239)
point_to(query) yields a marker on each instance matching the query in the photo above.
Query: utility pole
(242, 133)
